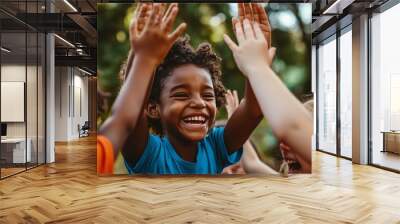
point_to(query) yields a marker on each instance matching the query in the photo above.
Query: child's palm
(250, 53)
(232, 102)
(152, 43)
(155, 40)
(251, 49)
(254, 12)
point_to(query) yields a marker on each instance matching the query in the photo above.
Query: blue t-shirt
(160, 157)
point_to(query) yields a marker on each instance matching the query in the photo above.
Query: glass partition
(31, 98)
(41, 86)
(346, 93)
(22, 90)
(327, 96)
(14, 153)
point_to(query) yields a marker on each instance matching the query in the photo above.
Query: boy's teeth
(195, 118)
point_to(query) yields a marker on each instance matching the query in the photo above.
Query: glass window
(31, 96)
(313, 86)
(15, 150)
(41, 99)
(346, 94)
(22, 91)
(327, 96)
(385, 87)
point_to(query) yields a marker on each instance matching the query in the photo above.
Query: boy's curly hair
(183, 53)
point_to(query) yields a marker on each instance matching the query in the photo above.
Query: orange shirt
(105, 156)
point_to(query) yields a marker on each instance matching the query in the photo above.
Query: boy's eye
(180, 95)
(209, 96)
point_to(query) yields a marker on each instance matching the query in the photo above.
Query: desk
(391, 141)
(13, 150)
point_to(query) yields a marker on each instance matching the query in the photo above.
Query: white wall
(61, 103)
(71, 94)
(33, 127)
(12, 73)
(16, 73)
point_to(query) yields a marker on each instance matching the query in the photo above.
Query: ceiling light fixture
(79, 51)
(5, 50)
(70, 5)
(337, 7)
(65, 41)
(84, 71)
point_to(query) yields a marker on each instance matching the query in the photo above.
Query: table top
(13, 140)
(391, 132)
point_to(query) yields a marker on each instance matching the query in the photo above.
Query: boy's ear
(153, 110)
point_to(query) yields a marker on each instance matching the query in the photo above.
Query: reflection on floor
(69, 191)
(387, 159)
(11, 169)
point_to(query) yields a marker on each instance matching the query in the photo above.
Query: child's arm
(135, 143)
(246, 118)
(289, 120)
(150, 46)
(249, 114)
(249, 162)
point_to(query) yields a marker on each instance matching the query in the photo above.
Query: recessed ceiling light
(65, 41)
(5, 50)
(70, 5)
(337, 7)
(84, 71)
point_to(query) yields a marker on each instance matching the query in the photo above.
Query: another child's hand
(156, 38)
(232, 102)
(250, 53)
(290, 157)
(234, 169)
(254, 12)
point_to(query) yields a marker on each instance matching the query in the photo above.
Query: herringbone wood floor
(69, 191)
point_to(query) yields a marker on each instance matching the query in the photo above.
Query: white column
(62, 100)
(50, 93)
(50, 110)
(360, 90)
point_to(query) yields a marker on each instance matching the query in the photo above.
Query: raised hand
(139, 19)
(251, 49)
(255, 13)
(232, 101)
(155, 39)
(140, 15)
(143, 11)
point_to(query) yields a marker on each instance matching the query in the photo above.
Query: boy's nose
(197, 101)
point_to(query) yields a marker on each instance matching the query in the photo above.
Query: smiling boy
(182, 108)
